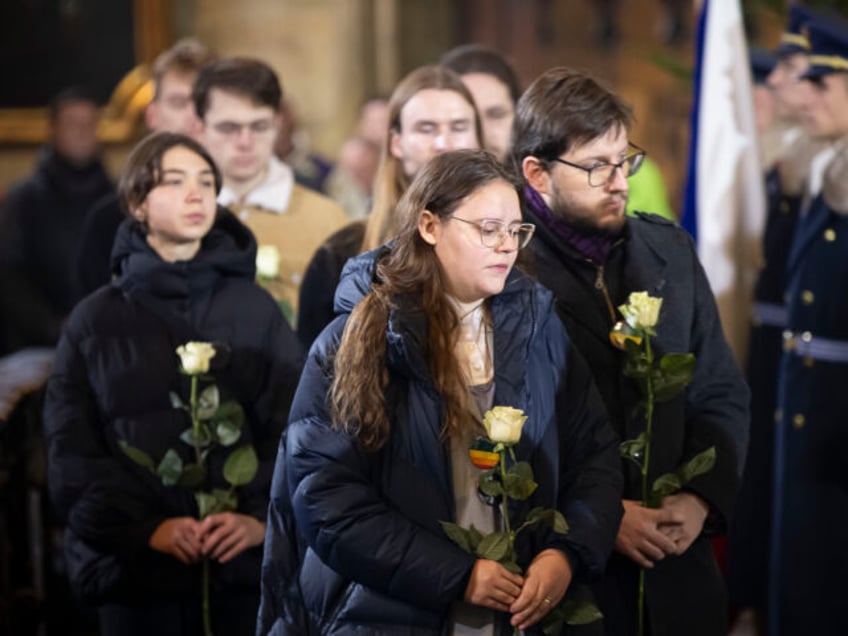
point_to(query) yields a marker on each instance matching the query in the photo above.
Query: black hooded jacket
(40, 226)
(115, 367)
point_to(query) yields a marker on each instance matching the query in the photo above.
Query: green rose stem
(505, 500)
(195, 427)
(649, 417)
(195, 420)
(505, 506)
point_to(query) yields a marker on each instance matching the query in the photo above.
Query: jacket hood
(227, 251)
(356, 279)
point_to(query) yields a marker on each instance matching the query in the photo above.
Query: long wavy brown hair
(391, 182)
(410, 271)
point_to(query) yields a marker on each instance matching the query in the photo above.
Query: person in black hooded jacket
(184, 272)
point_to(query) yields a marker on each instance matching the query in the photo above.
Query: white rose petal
(268, 261)
(503, 424)
(642, 310)
(195, 357)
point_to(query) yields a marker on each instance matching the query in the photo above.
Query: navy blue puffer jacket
(354, 543)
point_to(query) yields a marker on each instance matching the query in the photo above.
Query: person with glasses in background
(570, 142)
(238, 101)
(434, 329)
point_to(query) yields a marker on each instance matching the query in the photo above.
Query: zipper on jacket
(601, 286)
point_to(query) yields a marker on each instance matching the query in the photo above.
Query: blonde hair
(391, 182)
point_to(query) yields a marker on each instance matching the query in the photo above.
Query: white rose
(195, 357)
(268, 261)
(503, 424)
(642, 310)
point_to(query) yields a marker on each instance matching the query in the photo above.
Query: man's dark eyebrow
(599, 158)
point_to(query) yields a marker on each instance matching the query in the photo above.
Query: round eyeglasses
(601, 174)
(493, 233)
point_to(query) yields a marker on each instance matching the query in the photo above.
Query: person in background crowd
(494, 85)
(311, 170)
(789, 153)
(184, 271)
(762, 64)
(172, 110)
(351, 182)
(571, 140)
(238, 101)
(433, 330)
(430, 112)
(373, 124)
(41, 223)
(808, 553)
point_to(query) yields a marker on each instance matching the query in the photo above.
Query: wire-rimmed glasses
(493, 232)
(600, 174)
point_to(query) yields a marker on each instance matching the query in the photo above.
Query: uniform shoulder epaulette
(653, 218)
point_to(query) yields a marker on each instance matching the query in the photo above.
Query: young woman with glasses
(435, 328)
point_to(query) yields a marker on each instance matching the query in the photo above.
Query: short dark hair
(474, 58)
(69, 95)
(186, 57)
(561, 109)
(143, 170)
(248, 77)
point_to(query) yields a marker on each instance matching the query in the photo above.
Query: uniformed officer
(788, 160)
(809, 563)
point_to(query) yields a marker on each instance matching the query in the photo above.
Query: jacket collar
(272, 195)
(638, 254)
(181, 288)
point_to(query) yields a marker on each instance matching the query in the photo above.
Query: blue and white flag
(725, 195)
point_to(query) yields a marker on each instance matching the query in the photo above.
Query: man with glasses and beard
(570, 142)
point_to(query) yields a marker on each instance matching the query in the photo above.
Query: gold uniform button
(798, 421)
(807, 297)
(778, 415)
(788, 341)
(784, 206)
(809, 362)
(829, 235)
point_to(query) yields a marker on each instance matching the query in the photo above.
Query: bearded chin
(585, 221)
